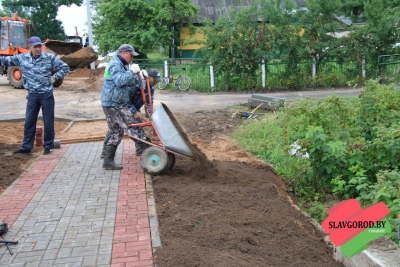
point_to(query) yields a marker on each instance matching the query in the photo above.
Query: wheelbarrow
(160, 156)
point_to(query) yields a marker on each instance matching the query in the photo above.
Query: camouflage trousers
(118, 120)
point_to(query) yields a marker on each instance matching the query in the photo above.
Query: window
(17, 33)
(4, 35)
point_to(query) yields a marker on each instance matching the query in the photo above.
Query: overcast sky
(72, 17)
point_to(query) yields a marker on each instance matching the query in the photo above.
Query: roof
(345, 20)
(214, 9)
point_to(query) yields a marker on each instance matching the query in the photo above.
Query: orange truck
(15, 33)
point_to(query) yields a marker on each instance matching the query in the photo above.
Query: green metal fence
(281, 74)
(196, 69)
(388, 69)
(272, 74)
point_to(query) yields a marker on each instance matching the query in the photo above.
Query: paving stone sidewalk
(66, 210)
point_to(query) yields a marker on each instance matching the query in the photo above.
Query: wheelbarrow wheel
(154, 160)
(170, 161)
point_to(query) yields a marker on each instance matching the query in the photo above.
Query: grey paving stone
(50, 255)
(90, 260)
(23, 247)
(41, 245)
(64, 252)
(27, 256)
(103, 259)
(54, 244)
(47, 263)
(33, 264)
(85, 251)
(74, 261)
(70, 220)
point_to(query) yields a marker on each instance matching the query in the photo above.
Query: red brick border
(132, 242)
(15, 201)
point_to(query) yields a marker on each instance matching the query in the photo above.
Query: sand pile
(84, 53)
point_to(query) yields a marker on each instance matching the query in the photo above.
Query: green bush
(353, 145)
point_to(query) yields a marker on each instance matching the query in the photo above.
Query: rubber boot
(105, 143)
(109, 154)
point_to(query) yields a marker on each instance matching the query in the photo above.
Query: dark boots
(109, 154)
(106, 138)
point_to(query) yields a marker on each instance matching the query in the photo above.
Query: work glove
(145, 74)
(140, 74)
(135, 68)
(52, 79)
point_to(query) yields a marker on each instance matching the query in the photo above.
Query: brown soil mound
(227, 213)
(86, 52)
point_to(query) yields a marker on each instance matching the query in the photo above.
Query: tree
(268, 29)
(42, 13)
(381, 32)
(143, 24)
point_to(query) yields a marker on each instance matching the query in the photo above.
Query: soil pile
(81, 58)
(229, 213)
(84, 53)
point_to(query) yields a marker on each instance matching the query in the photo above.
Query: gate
(388, 69)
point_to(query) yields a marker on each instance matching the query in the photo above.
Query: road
(80, 105)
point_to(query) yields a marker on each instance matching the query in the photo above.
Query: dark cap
(34, 40)
(127, 48)
(155, 74)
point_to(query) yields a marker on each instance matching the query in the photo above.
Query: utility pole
(89, 22)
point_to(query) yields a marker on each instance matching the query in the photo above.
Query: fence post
(166, 68)
(263, 72)
(212, 81)
(363, 68)
(314, 69)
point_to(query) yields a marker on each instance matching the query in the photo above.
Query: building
(211, 9)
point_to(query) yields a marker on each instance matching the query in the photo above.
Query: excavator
(14, 36)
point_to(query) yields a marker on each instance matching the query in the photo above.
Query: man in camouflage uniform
(38, 79)
(135, 103)
(114, 99)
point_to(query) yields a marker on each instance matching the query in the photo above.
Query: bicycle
(183, 82)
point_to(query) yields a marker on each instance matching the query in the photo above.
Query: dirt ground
(226, 208)
(223, 208)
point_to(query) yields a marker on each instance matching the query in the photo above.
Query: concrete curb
(151, 204)
(381, 252)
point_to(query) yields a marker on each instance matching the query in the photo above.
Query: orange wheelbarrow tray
(160, 157)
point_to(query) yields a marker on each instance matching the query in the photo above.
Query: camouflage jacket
(36, 73)
(117, 78)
